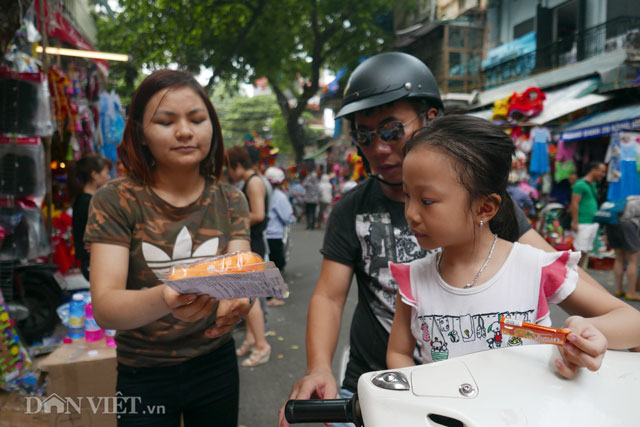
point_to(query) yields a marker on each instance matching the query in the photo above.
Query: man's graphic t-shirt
(158, 236)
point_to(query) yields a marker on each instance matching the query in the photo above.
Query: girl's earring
(481, 223)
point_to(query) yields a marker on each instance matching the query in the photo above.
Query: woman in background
(91, 172)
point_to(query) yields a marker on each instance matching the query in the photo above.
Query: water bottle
(76, 316)
(110, 337)
(92, 332)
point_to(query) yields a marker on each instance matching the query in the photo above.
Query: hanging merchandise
(564, 165)
(622, 166)
(22, 167)
(24, 104)
(527, 104)
(540, 136)
(112, 124)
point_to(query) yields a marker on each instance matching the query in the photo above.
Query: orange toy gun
(542, 334)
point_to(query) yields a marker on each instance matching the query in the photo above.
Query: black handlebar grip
(320, 411)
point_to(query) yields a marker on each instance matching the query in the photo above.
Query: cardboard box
(13, 412)
(81, 385)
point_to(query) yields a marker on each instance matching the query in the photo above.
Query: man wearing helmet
(387, 98)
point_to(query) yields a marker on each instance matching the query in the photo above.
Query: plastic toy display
(13, 355)
(513, 386)
(233, 275)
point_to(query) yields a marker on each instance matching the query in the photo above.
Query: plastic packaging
(76, 317)
(24, 104)
(110, 337)
(92, 332)
(235, 262)
(22, 166)
(229, 276)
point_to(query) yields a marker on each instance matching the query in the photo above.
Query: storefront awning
(589, 67)
(560, 102)
(563, 101)
(603, 124)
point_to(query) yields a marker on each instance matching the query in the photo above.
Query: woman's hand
(229, 313)
(188, 307)
(585, 347)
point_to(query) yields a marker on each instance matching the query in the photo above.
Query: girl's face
(436, 204)
(101, 178)
(177, 128)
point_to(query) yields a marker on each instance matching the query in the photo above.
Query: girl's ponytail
(505, 222)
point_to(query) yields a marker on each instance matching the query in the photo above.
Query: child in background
(91, 172)
(455, 177)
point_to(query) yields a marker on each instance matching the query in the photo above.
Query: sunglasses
(388, 132)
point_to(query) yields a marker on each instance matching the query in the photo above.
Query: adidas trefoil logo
(159, 262)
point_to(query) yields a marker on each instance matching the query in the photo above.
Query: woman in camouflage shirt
(174, 351)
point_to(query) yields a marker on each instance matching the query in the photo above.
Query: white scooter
(513, 386)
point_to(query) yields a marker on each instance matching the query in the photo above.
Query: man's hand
(188, 307)
(229, 313)
(585, 347)
(316, 385)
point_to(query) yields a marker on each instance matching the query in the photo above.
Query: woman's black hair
(482, 153)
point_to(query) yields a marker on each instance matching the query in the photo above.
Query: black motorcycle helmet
(385, 78)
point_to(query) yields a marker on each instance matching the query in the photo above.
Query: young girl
(174, 351)
(91, 172)
(455, 177)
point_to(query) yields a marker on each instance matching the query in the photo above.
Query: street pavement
(265, 388)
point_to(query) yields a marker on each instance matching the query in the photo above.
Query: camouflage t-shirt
(158, 236)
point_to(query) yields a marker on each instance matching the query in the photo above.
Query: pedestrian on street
(311, 197)
(624, 239)
(92, 172)
(388, 97)
(296, 197)
(168, 209)
(584, 205)
(326, 195)
(241, 168)
(280, 218)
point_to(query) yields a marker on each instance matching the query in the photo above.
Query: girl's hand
(585, 347)
(229, 313)
(188, 307)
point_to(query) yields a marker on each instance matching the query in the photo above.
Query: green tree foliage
(288, 41)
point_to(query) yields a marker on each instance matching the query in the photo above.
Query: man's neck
(394, 192)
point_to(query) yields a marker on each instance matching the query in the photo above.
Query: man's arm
(323, 329)
(255, 193)
(575, 201)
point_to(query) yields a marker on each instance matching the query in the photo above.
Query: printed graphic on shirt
(160, 263)
(381, 242)
(445, 336)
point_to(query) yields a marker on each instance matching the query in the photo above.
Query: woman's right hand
(188, 307)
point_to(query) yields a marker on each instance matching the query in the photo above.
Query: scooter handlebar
(322, 411)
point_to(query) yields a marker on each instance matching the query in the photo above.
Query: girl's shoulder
(527, 252)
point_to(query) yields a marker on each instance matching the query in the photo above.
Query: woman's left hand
(230, 311)
(585, 347)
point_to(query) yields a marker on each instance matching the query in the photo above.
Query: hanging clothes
(539, 136)
(622, 171)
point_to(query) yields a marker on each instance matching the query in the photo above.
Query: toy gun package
(233, 275)
(542, 334)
